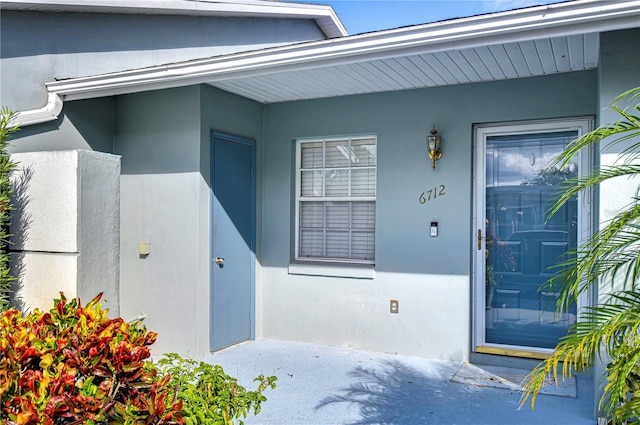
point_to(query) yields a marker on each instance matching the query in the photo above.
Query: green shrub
(73, 365)
(6, 167)
(210, 396)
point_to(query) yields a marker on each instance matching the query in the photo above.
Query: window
(336, 199)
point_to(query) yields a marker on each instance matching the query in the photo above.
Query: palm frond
(610, 329)
(572, 187)
(626, 128)
(609, 253)
(612, 254)
(615, 134)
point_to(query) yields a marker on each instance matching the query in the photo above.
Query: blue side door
(233, 236)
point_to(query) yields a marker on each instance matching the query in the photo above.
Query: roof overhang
(543, 40)
(324, 16)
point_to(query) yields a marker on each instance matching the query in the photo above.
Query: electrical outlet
(394, 306)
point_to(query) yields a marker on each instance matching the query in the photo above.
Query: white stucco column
(66, 227)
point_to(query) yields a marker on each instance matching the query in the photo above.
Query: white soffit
(324, 16)
(485, 63)
(522, 43)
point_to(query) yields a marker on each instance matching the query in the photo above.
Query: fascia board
(324, 15)
(544, 22)
(225, 7)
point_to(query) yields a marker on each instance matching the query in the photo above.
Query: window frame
(299, 199)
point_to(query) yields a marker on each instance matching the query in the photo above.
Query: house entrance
(233, 240)
(518, 244)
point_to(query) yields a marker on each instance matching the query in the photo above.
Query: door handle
(479, 239)
(219, 261)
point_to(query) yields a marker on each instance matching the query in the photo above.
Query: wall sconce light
(434, 142)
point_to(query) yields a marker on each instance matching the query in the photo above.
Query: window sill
(351, 271)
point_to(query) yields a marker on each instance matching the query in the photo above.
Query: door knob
(219, 261)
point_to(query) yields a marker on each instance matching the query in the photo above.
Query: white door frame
(585, 220)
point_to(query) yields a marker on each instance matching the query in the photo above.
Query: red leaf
(28, 353)
(56, 406)
(61, 304)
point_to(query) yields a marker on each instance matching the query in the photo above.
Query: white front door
(517, 243)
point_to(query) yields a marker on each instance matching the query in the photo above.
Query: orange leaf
(24, 418)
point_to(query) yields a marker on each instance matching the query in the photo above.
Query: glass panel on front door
(521, 243)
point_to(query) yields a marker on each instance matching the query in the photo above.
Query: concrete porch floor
(320, 384)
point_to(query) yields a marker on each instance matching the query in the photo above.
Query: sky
(360, 16)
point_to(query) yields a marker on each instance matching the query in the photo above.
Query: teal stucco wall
(38, 47)
(157, 134)
(164, 138)
(429, 276)
(84, 124)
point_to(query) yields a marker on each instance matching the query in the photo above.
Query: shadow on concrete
(325, 385)
(397, 394)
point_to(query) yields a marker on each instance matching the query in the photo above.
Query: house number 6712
(431, 194)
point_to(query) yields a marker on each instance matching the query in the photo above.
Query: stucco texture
(65, 227)
(68, 45)
(431, 277)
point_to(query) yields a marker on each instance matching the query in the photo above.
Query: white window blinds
(336, 189)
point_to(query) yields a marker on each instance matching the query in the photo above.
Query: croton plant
(74, 365)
